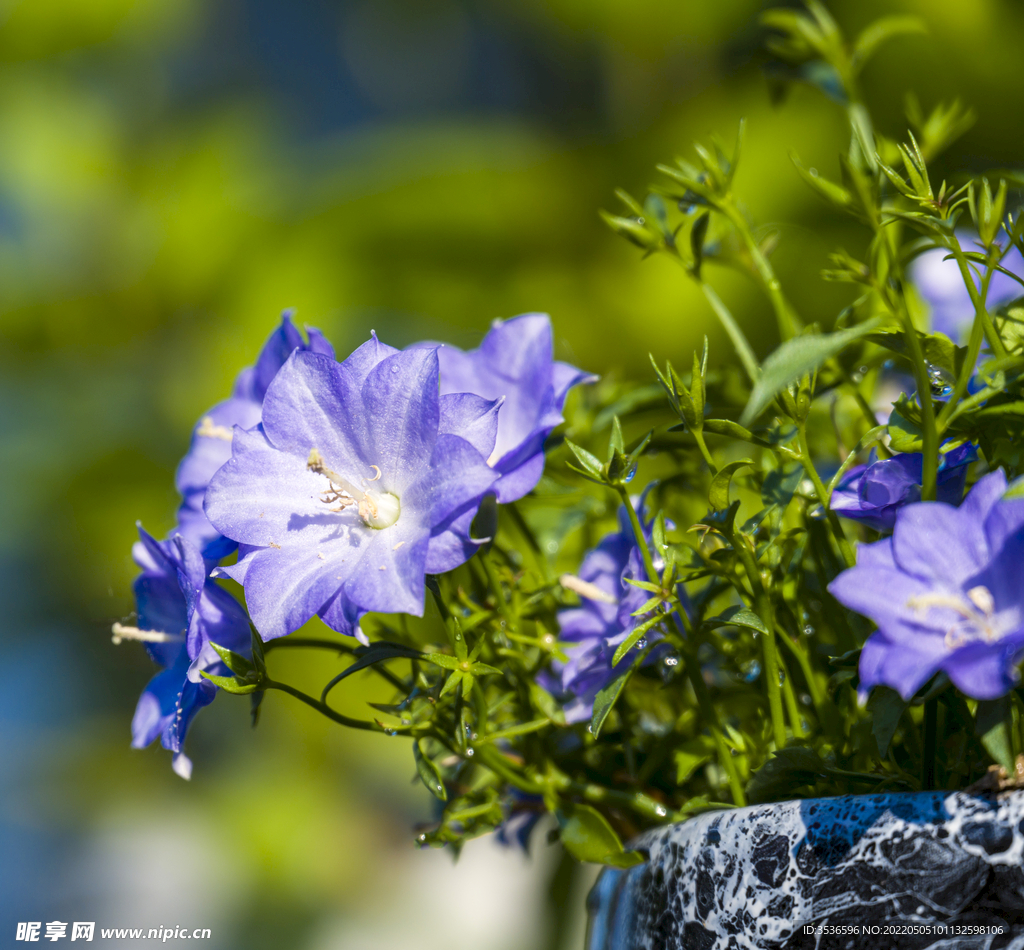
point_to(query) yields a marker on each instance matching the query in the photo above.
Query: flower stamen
(377, 510)
(208, 428)
(977, 610)
(120, 633)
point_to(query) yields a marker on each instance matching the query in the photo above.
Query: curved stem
(788, 321)
(332, 714)
(698, 436)
(733, 331)
(325, 644)
(823, 496)
(638, 532)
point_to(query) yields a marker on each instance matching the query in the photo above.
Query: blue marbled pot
(937, 870)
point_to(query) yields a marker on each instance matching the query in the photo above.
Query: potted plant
(728, 592)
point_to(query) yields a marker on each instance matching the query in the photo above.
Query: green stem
(973, 349)
(331, 714)
(499, 594)
(929, 431)
(638, 532)
(324, 644)
(823, 496)
(789, 323)
(733, 331)
(763, 608)
(979, 301)
(931, 722)
(796, 719)
(698, 435)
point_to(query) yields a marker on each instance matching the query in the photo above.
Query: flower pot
(908, 871)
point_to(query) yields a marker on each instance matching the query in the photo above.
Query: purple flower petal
(355, 532)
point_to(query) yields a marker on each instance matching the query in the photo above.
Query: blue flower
(211, 438)
(604, 619)
(522, 813)
(945, 592)
(875, 492)
(515, 363)
(180, 611)
(344, 497)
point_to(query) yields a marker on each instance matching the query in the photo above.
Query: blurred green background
(175, 172)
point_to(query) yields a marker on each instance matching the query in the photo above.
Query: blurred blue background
(175, 172)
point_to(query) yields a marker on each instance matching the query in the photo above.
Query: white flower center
(376, 509)
(980, 621)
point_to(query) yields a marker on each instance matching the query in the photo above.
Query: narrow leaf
(590, 463)
(886, 706)
(235, 662)
(802, 354)
(718, 494)
(739, 617)
(992, 726)
(429, 773)
(231, 684)
(634, 638)
(605, 701)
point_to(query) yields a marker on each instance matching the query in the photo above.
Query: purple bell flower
(945, 593)
(604, 620)
(941, 285)
(515, 362)
(179, 613)
(873, 493)
(211, 438)
(344, 497)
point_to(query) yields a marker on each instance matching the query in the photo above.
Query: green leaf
(786, 771)
(831, 192)
(235, 662)
(739, 617)
(587, 836)
(691, 755)
(733, 430)
(886, 706)
(881, 30)
(697, 235)
(904, 435)
(256, 645)
(632, 230)
(781, 484)
(938, 349)
(451, 683)
(482, 669)
(605, 700)
(697, 393)
(231, 684)
(795, 357)
(616, 443)
(992, 726)
(634, 638)
(443, 660)
(591, 464)
(429, 773)
(547, 704)
(718, 494)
